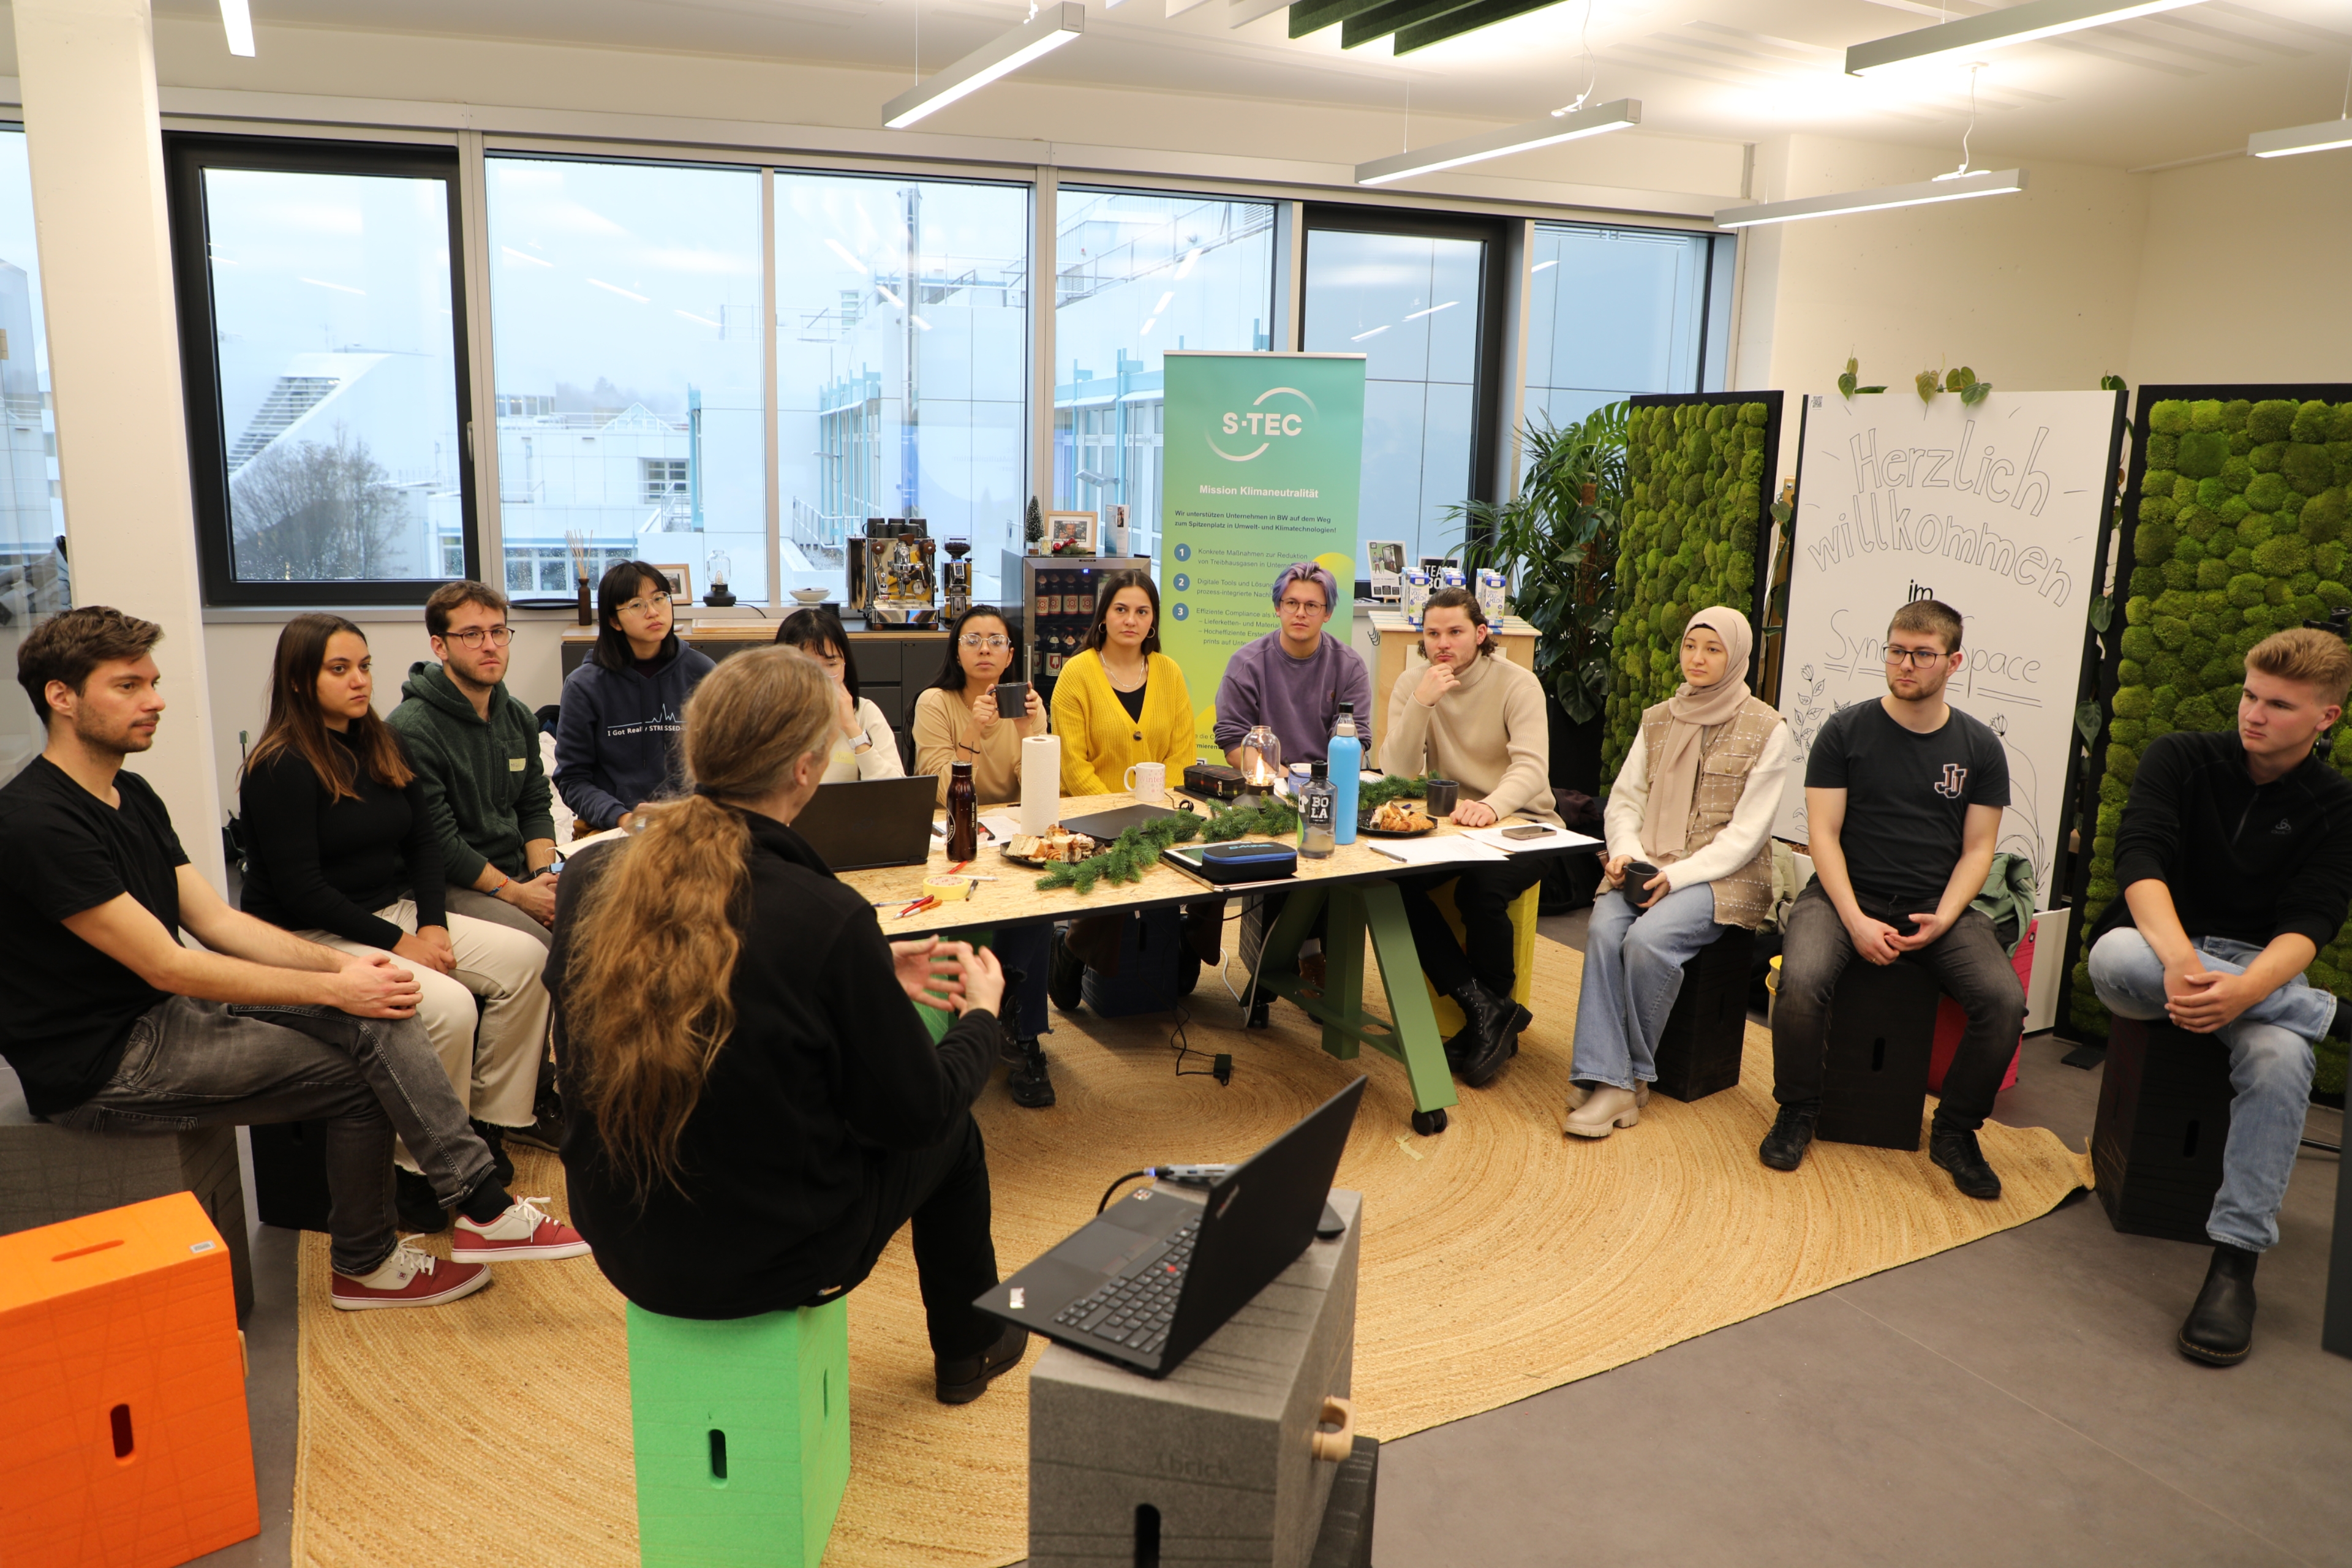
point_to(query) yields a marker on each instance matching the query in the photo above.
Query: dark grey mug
(1443, 796)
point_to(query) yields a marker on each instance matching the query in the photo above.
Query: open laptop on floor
(1146, 1280)
(870, 822)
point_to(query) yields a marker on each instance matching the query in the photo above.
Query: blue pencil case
(1247, 861)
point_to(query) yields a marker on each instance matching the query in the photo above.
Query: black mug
(1638, 873)
(1013, 700)
(1443, 796)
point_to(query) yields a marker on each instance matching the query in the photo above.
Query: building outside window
(625, 307)
(1666, 328)
(902, 365)
(32, 509)
(1136, 273)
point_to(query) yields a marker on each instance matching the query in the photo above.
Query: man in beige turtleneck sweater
(1468, 716)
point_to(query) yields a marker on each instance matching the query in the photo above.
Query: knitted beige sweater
(1489, 734)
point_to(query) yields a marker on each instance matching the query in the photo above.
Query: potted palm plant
(1557, 539)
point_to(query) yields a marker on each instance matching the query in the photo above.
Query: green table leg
(1410, 1037)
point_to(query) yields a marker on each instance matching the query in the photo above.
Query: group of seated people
(743, 1136)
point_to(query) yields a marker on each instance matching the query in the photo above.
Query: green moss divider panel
(1699, 471)
(2236, 527)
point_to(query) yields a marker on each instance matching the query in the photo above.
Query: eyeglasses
(648, 605)
(472, 636)
(976, 640)
(1300, 607)
(1917, 657)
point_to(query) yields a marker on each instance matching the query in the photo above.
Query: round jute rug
(1499, 1259)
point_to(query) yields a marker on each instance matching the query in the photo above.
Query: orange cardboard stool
(123, 1437)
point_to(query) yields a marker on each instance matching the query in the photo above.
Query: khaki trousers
(496, 1079)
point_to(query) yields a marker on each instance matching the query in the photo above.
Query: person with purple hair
(1293, 678)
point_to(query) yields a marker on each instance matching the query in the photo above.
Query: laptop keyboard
(1135, 1312)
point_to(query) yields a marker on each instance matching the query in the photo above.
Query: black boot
(2220, 1330)
(1027, 1083)
(413, 1207)
(500, 1162)
(1784, 1147)
(1065, 976)
(1462, 1041)
(1489, 1035)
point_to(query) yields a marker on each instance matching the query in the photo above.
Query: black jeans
(1969, 963)
(202, 1064)
(1482, 897)
(944, 1191)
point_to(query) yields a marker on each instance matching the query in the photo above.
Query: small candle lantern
(1261, 760)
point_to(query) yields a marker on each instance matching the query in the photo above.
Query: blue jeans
(2270, 1067)
(1632, 972)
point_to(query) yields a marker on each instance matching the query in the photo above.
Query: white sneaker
(1578, 1093)
(1605, 1109)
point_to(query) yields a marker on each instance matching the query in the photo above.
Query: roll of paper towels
(1041, 783)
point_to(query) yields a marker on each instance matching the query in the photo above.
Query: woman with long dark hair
(344, 854)
(956, 721)
(759, 1107)
(864, 746)
(1120, 701)
(616, 737)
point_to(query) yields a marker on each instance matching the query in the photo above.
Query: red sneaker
(411, 1277)
(524, 1231)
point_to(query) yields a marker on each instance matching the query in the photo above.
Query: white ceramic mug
(1148, 782)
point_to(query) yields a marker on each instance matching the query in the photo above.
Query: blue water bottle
(1347, 772)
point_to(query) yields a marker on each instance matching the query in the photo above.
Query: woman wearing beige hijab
(1694, 802)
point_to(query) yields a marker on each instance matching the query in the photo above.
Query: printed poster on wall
(1261, 458)
(1995, 511)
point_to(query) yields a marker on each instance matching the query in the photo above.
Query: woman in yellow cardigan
(1122, 702)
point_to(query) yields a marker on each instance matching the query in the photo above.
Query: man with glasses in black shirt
(1903, 800)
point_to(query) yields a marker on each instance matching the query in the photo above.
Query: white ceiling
(2177, 86)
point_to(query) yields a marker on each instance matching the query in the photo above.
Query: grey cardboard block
(1220, 1448)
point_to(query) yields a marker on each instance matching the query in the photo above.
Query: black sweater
(2247, 862)
(828, 1070)
(323, 865)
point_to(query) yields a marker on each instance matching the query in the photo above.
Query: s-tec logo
(1955, 779)
(1267, 425)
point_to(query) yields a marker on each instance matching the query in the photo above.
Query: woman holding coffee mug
(1121, 700)
(1691, 812)
(958, 720)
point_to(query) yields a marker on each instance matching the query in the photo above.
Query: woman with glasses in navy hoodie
(624, 709)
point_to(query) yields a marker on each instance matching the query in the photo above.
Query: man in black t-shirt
(114, 1025)
(1902, 802)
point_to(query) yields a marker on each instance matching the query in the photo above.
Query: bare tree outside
(315, 512)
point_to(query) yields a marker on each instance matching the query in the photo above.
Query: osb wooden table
(1356, 887)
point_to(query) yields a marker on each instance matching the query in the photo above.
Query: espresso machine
(893, 572)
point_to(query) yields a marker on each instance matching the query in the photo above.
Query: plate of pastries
(1396, 819)
(1057, 845)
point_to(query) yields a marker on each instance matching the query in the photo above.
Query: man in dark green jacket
(476, 749)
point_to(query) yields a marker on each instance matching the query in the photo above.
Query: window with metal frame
(1665, 326)
(322, 333)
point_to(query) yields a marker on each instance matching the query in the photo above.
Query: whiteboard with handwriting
(1995, 511)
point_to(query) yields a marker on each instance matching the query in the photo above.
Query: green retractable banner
(1261, 458)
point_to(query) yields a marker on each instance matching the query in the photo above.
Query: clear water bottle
(1347, 773)
(1317, 804)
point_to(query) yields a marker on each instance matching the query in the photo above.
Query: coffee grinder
(956, 578)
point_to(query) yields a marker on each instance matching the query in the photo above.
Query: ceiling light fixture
(236, 21)
(2324, 137)
(1048, 29)
(1550, 131)
(1971, 36)
(1945, 188)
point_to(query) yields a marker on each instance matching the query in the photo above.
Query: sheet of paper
(1434, 851)
(1555, 840)
(1000, 825)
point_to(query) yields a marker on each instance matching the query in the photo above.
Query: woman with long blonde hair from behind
(760, 1106)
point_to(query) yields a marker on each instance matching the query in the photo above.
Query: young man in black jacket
(2235, 861)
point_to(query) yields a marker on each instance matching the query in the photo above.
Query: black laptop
(1145, 1281)
(870, 822)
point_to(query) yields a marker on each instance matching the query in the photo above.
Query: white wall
(2247, 274)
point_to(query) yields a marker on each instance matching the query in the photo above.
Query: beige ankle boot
(1605, 1109)
(1579, 1093)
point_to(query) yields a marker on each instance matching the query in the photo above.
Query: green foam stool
(742, 1435)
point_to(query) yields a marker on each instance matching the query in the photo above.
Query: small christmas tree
(1032, 528)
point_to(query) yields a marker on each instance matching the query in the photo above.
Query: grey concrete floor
(2016, 1400)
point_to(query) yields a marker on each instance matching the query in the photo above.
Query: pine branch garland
(1131, 855)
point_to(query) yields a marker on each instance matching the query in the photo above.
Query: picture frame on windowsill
(1071, 533)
